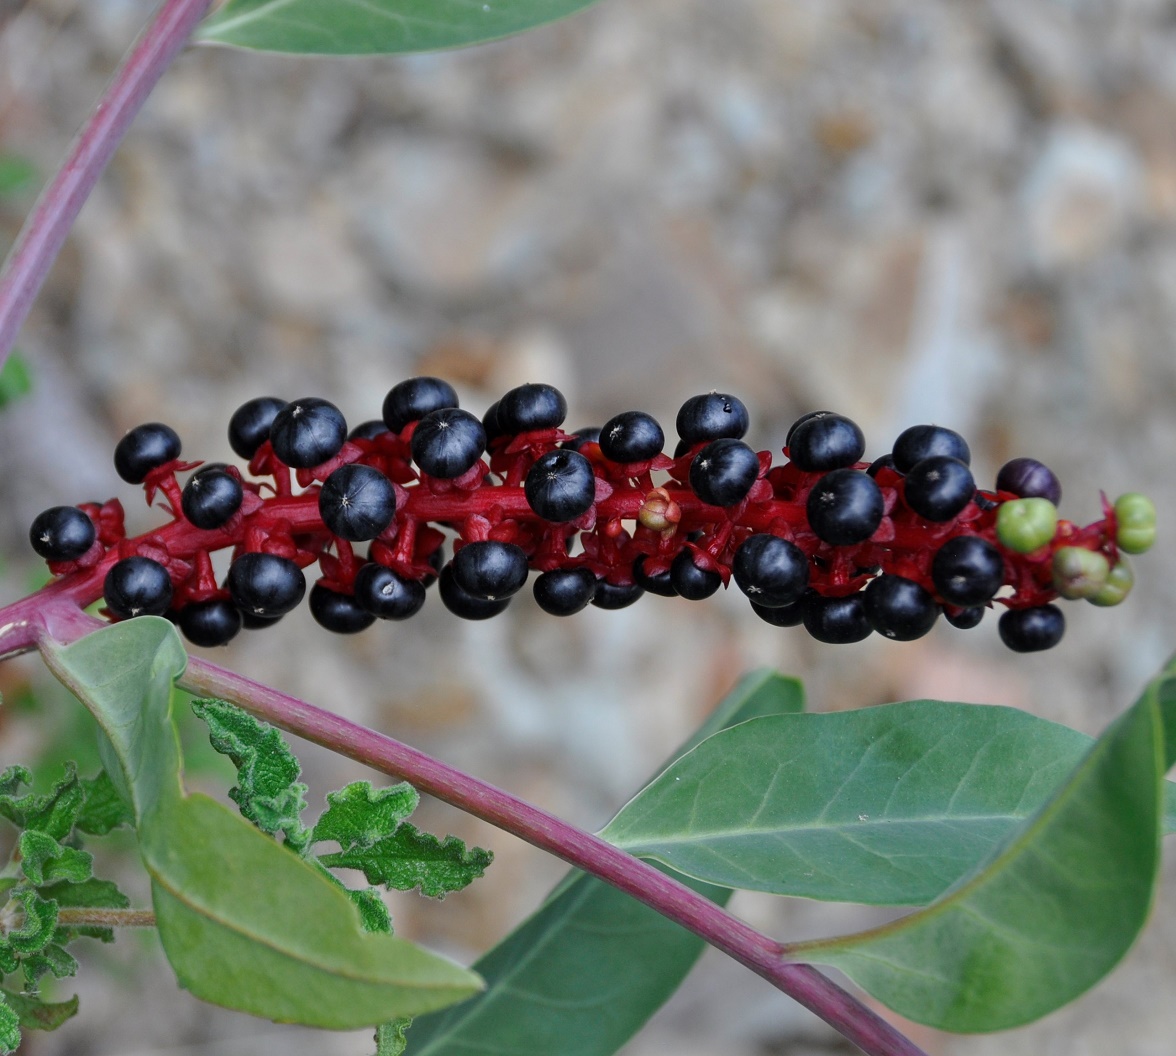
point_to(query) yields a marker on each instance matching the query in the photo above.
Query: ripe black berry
(923, 441)
(965, 619)
(565, 591)
(659, 583)
(712, 416)
(967, 571)
(211, 496)
(530, 407)
(137, 586)
(251, 621)
(826, 441)
(386, 595)
(616, 595)
(1031, 630)
(368, 430)
(801, 421)
(632, 436)
(265, 585)
(209, 623)
(144, 448)
(341, 613)
(771, 571)
(845, 507)
(690, 581)
(250, 425)
(723, 472)
(461, 603)
(447, 442)
(885, 461)
(308, 432)
(357, 502)
(899, 608)
(411, 400)
(938, 487)
(836, 621)
(560, 486)
(781, 615)
(62, 533)
(490, 569)
(1029, 479)
(590, 434)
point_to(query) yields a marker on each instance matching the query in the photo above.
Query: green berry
(1025, 525)
(1120, 580)
(1078, 572)
(1135, 515)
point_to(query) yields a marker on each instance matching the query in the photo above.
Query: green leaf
(373, 914)
(374, 27)
(9, 1026)
(52, 959)
(36, 931)
(888, 805)
(1050, 912)
(390, 1037)
(90, 894)
(11, 779)
(52, 813)
(584, 973)
(35, 1014)
(43, 860)
(15, 378)
(269, 793)
(358, 815)
(103, 809)
(17, 175)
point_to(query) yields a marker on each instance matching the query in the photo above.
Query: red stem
(45, 231)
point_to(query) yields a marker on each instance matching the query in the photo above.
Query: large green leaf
(582, 975)
(374, 27)
(888, 805)
(1050, 912)
(245, 923)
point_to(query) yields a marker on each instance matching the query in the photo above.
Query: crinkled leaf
(370, 27)
(269, 793)
(52, 813)
(90, 894)
(390, 1037)
(9, 1027)
(53, 960)
(358, 815)
(103, 808)
(36, 930)
(35, 1014)
(373, 913)
(11, 780)
(43, 860)
(1050, 912)
(583, 974)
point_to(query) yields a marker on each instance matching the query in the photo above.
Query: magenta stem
(43, 234)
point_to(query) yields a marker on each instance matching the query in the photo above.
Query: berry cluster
(826, 540)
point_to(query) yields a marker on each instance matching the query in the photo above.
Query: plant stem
(43, 234)
(93, 917)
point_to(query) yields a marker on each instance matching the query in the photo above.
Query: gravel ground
(905, 210)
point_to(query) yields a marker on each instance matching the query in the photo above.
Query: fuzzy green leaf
(269, 793)
(43, 860)
(9, 1027)
(373, 914)
(103, 809)
(359, 816)
(35, 1014)
(374, 27)
(52, 960)
(36, 931)
(11, 780)
(52, 813)
(390, 1037)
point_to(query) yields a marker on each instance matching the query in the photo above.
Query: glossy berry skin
(446, 443)
(250, 621)
(660, 584)
(565, 591)
(771, 571)
(461, 603)
(144, 448)
(826, 441)
(965, 619)
(211, 497)
(490, 569)
(357, 502)
(925, 441)
(530, 407)
(411, 400)
(308, 432)
(836, 621)
(209, 623)
(137, 586)
(386, 595)
(712, 416)
(588, 435)
(368, 430)
(632, 436)
(938, 488)
(250, 425)
(802, 420)
(898, 608)
(1025, 525)
(691, 582)
(1032, 630)
(782, 615)
(882, 462)
(265, 585)
(967, 571)
(560, 486)
(62, 533)
(844, 507)
(615, 595)
(723, 472)
(1029, 479)
(1135, 520)
(341, 613)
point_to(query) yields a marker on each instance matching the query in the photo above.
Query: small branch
(93, 917)
(45, 230)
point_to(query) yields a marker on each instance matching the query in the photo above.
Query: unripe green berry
(1135, 516)
(1119, 582)
(1025, 525)
(1078, 572)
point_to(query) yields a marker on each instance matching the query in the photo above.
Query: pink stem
(45, 230)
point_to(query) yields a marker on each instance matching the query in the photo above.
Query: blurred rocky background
(903, 210)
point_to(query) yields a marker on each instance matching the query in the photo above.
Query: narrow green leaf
(1050, 912)
(889, 805)
(35, 1014)
(374, 27)
(583, 974)
(358, 815)
(103, 809)
(43, 860)
(9, 1027)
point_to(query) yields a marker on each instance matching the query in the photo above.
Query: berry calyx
(137, 586)
(723, 472)
(62, 533)
(357, 502)
(308, 432)
(1026, 525)
(1135, 521)
(144, 448)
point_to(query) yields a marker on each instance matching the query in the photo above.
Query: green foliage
(17, 175)
(374, 27)
(15, 378)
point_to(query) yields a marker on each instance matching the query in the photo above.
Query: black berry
(659, 583)
(826, 441)
(771, 571)
(490, 569)
(844, 507)
(967, 571)
(712, 416)
(1031, 630)
(924, 441)
(137, 586)
(723, 472)
(341, 613)
(632, 436)
(308, 432)
(899, 608)
(411, 400)
(616, 595)
(560, 486)
(386, 595)
(209, 623)
(885, 461)
(461, 603)
(836, 621)
(590, 434)
(965, 619)
(368, 430)
(939, 487)
(250, 425)
(565, 591)
(690, 581)
(781, 615)
(62, 533)
(531, 407)
(801, 421)
(447, 442)
(211, 496)
(265, 585)
(357, 502)
(1029, 479)
(144, 448)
